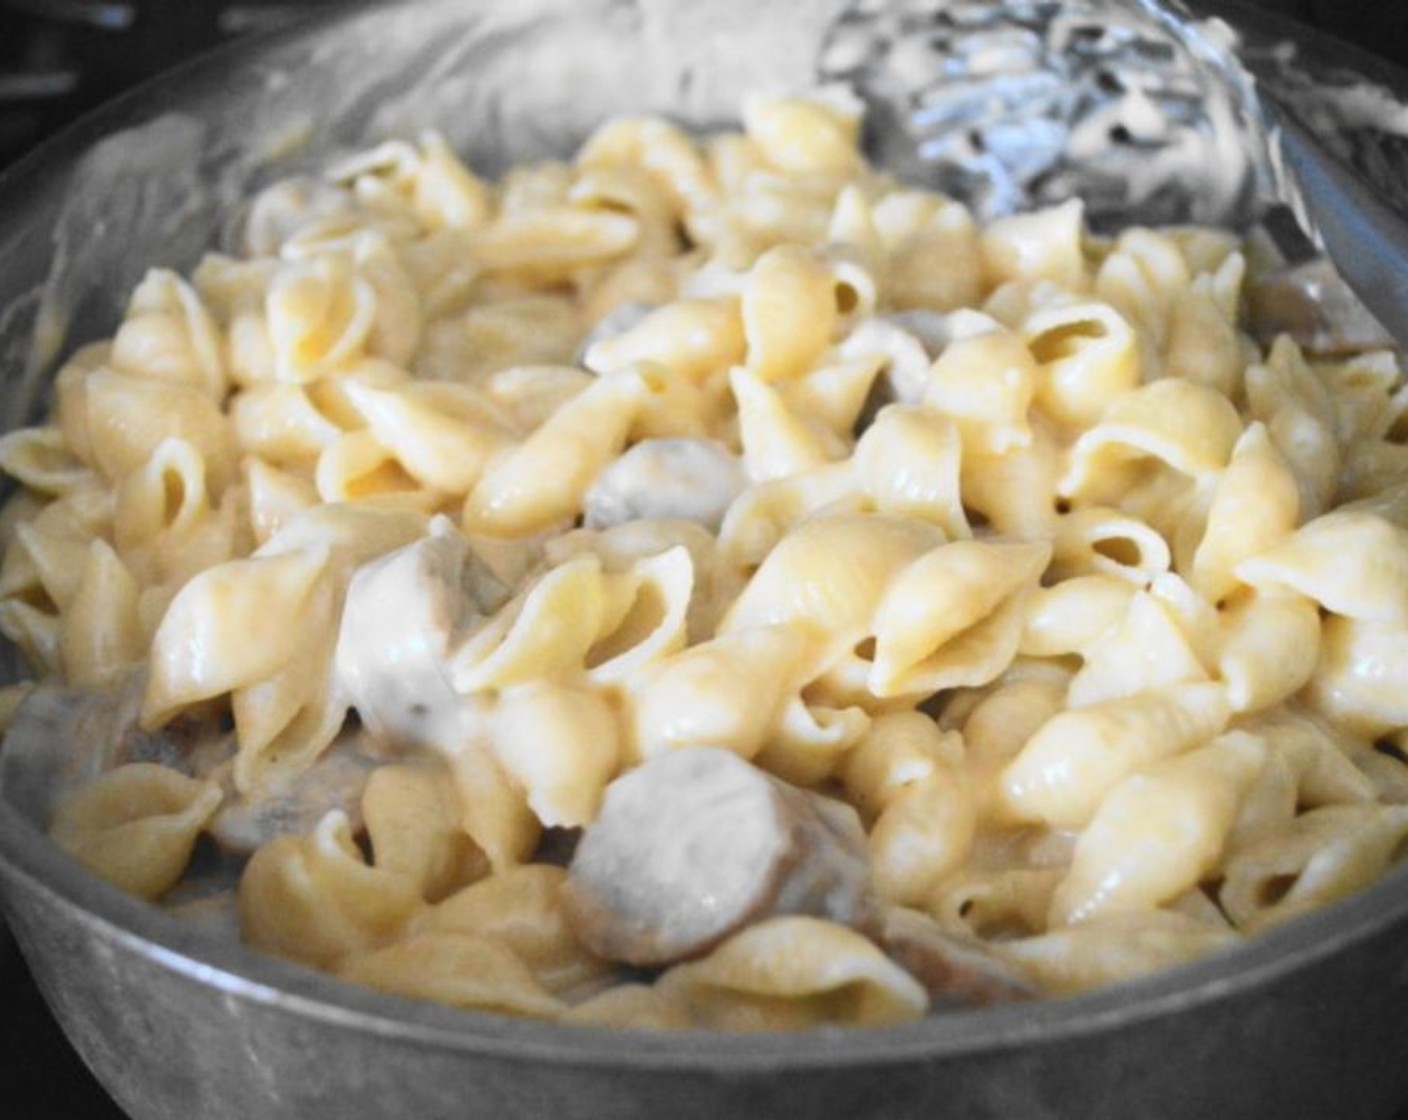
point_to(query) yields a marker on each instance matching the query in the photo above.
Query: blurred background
(59, 58)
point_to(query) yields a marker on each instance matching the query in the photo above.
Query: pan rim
(32, 864)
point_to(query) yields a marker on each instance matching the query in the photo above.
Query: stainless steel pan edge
(1308, 1021)
(1311, 1020)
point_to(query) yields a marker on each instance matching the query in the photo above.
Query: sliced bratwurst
(404, 614)
(662, 479)
(697, 843)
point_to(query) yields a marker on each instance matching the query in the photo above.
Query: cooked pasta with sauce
(707, 583)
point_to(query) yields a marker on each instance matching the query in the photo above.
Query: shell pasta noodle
(706, 583)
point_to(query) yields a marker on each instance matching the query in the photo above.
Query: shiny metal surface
(1311, 1020)
(1365, 237)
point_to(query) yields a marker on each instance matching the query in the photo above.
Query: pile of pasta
(1013, 538)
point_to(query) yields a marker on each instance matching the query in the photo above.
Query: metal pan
(1309, 1020)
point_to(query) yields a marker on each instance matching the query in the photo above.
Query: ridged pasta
(1088, 357)
(168, 334)
(1158, 832)
(826, 973)
(1350, 562)
(212, 617)
(1285, 395)
(1114, 949)
(456, 969)
(1045, 245)
(1145, 650)
(411, 813)
(522, 909)
(1075, 759)
(314, 899)
(136, 825)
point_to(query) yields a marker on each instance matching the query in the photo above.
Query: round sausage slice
(403, 616)
(663, 479)
(697, 843)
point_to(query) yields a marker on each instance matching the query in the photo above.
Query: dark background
(60, 57)
(1380, 26)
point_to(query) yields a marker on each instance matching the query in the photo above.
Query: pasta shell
(314, 899)
(1256, 506)
(412, 820)
(909, 463)
(561, 745)
(1350, 562)
(227, 628)
(521, 908)
(831, 573)
(136, 825)
(1190, 428)
(789, 310)
(1316, 858)
(1066, 769)
(1158, 832)
(985, 384)
(793, 973)
(1145, 651)
(1361, 678)
(457, 969)
(1112, 949)
(954, 617)
(1088, 357)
